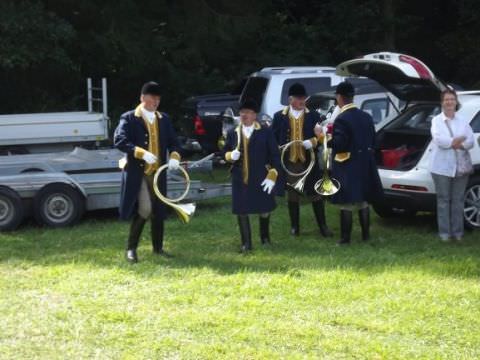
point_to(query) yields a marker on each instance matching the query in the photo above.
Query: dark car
(200, 118)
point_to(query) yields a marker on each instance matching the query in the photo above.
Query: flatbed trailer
(57, 188)
(44, 173)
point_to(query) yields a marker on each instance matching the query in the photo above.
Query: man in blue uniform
(146, 136)
(255, 159)
(354, 163)
(296, 122)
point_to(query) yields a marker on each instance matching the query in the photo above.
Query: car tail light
(198, 126)
(409, 187)
(419, 67)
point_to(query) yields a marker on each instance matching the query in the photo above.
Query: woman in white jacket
(451, 135)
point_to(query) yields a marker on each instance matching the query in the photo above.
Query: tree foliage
(49, 47)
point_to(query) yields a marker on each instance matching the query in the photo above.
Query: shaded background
(49, 47)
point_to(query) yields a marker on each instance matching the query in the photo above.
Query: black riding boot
(157, 237)
(265, 230)
(364, 217)
(345, 227)
(245, 233)
(319, 211)
(136, 228)
(294, 212)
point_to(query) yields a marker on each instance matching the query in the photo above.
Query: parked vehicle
(269, 88)
(404, 144)
(55, 181)
(369, 96)
(60, 131)
(200, 117)
(57, 188)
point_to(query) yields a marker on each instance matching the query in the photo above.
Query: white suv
(406, 180)
(269, 86)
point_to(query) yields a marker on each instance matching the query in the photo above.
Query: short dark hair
(345, 90)
(454, 93)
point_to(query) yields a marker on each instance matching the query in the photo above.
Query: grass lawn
(69, 294)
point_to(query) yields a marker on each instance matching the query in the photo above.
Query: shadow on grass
(211, 241)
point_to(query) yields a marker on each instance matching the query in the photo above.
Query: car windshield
(416, 118)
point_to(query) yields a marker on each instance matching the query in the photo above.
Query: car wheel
(58, 205)
(11, 209)
(471, 210)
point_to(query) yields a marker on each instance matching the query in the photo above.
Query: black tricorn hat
(151, 88)
(249, 104)
(297, 89)
(345, 89)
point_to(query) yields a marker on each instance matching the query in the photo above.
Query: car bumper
(409, 201)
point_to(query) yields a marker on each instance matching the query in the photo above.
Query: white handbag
(464, 160)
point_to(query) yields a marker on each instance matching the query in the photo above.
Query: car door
(406, 77)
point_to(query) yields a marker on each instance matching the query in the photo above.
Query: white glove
(318, 130)
(173, 164)
(268, 185)
(149, 158)
(235, 155)
(307, 144)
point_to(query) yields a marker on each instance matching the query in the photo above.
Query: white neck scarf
(247, 130)
(149, 115)
(296, 113)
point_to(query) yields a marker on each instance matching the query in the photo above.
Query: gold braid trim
(297, 152)
(245, 159)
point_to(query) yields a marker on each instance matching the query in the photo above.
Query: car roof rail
(469, 92)
(299, 69)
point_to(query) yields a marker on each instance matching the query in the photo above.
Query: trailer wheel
(11, 209)
(58, 205)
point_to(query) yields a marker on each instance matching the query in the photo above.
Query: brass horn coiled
(300, 183)
(326, 186)
(184, 211)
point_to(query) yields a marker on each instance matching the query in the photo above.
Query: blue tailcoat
(354, 132)
(130, 132)
(281, 130)
(262, 152)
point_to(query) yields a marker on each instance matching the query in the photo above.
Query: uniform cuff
(314, 141)
(139, 152)
(228, 156)
(272, 175)
(175, 155)
(320, 138)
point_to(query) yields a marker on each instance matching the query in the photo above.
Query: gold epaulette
(342, 157)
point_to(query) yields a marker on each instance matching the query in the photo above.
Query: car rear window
(377, 108)
(416, 118)
(320, 104)
(312, 85)
(255, 89)
(475, 123)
